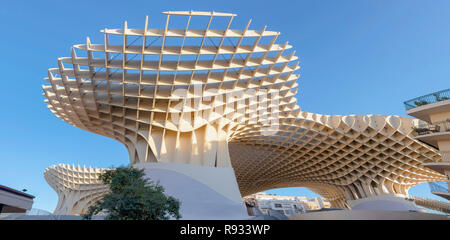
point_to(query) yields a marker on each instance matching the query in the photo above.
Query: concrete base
(385, 202)
(367, 215)
(204, 192)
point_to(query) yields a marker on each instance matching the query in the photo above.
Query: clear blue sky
(357, 57)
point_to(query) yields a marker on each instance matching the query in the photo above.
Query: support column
(205, 192)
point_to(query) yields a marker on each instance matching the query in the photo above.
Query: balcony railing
(427, 99)
(438, 186)
(423, 129)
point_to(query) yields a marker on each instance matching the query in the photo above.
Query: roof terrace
(427, 99)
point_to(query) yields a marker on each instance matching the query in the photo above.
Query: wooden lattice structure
(77, 187)
(223, 97)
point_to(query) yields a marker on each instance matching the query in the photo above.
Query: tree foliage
(133, 197)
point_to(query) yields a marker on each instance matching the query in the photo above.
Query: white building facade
(286, 205)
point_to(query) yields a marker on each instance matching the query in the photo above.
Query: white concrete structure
(205, 192)
(385, 202)
(367, 215)
(220, 102)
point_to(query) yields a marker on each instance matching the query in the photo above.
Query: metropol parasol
(211, 113)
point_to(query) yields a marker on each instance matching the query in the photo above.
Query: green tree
(133, 197)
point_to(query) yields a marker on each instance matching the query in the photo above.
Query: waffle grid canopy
(223, 97)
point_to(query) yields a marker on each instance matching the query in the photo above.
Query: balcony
(433, 133)
(424, 129)
(427, 99)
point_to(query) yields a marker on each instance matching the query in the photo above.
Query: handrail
(442, 126)
(427, 99)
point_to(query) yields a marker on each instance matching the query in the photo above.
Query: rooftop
(10, 190)
(427, 99)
